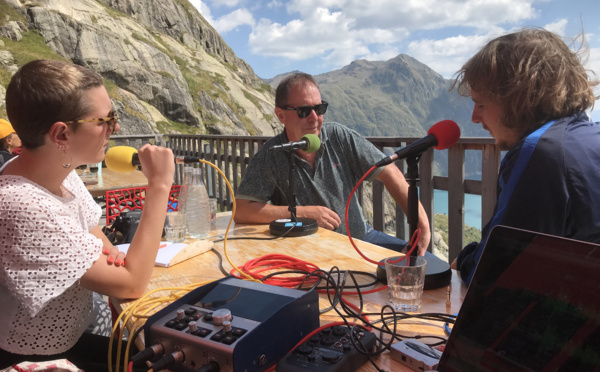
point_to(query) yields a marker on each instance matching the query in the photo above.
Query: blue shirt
(558, 192)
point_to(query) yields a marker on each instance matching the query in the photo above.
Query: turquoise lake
(472, 207)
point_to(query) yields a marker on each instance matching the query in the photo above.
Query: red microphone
(440, 136)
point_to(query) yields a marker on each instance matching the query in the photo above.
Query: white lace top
(45, 248)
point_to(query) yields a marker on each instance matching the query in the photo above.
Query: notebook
(533, 305)
(170, 253)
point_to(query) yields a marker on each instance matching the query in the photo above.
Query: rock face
(164, 65)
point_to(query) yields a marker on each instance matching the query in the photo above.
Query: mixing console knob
(180, 314)
(227, 326)
(193, 327)
(220, 316)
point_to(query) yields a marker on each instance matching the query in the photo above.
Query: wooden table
(111, 180)
(325, 249)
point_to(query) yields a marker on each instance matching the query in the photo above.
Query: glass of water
(405, 282)
(175, 227)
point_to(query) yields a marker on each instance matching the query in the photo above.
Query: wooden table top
(111, 180)
(324, 249)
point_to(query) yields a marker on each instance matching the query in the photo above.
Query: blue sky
(317, 36)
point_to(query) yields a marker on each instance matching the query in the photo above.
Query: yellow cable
(246, 276)
(132, 309)
(128, 312)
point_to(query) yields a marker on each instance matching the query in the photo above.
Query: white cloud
(336, 32)
(226, 3)
(447, 56)
(593, 61)
(339, 31)
(318, 34)
(274, 4)
(558, 27)
(238, 17)
(204, 10)
(424, 14)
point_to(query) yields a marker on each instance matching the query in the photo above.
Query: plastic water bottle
(193, 201)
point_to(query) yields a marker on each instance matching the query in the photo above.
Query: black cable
(149, 353)
(168, 361)
(370, 284)
(211, 366)
(335, 286)
(221, 268)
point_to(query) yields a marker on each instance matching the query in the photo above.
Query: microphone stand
(437, 272)
(412, 177)
(294, 226)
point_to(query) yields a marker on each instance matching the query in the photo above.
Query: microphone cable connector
(169, 361)
(148, 353)
(211, 366)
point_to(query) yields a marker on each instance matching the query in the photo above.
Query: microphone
(125, 159)
(440, 136)
(309, 143)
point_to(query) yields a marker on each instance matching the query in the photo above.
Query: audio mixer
(237, 324)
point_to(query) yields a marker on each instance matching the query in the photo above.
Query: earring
(66, 164)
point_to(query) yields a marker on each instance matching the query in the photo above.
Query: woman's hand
(158, 165)
(114, 256)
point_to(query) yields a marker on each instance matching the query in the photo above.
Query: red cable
(256, 267)
(413, 241)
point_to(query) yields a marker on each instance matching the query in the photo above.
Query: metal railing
(232, 154)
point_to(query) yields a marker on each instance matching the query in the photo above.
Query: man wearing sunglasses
(324, 179)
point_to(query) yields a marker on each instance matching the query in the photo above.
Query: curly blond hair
(532, 75)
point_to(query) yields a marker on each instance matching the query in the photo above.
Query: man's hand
(325, 217)
(453, 264)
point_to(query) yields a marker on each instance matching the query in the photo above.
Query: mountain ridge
(168, 71)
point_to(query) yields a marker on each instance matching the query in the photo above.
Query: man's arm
(397, 186)
(249, 211)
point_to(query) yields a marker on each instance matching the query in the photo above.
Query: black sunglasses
(304, 111)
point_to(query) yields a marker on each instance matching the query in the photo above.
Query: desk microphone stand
(293, 226)
(437, 272)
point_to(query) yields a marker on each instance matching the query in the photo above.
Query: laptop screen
(533, 305)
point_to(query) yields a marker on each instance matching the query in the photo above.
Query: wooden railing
(232, 154)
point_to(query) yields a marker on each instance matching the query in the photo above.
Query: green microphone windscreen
(314, 143)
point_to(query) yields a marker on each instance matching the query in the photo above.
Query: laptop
(533, 305)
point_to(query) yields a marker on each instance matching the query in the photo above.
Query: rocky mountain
(398, 97)
(165, 68)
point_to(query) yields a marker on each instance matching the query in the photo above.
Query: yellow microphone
(121, 159)
(125, 159)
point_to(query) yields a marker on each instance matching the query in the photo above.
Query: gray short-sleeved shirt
(344, 157)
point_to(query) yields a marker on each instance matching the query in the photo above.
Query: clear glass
(405, 282)
(88, 173)
(175, 227)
